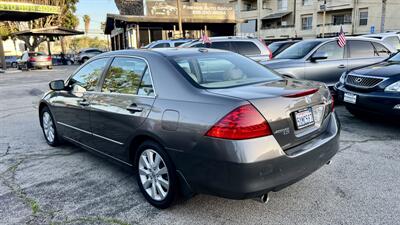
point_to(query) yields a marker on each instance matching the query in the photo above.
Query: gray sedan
(323, 60)
(194, 121)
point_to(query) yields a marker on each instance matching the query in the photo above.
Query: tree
(66, 19)
(86, 20)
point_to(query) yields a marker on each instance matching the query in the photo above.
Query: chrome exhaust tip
(263, 198)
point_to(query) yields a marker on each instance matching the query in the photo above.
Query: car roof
(381, 34)
(166, 52)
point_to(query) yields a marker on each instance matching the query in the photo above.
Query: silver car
(194, 121)
(85, 54)
(325, 61)
(390, 38)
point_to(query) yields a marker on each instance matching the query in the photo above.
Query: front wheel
(156, 175)
(49, 127)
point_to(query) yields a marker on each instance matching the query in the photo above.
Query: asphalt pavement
(40, 184)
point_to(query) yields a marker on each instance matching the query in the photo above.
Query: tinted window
(298, 50)
(395, 58)
(275, 46)
(124, 76)
(394, 41)
(146, 87)
(361, 49)
(179, 43)
(333, 50)
(381, 50)
(199, 45)
(34, 54)
(220, 70)
(224, 45)
(246, 48)
(161, 45)
(88, 76)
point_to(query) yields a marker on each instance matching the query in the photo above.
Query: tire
(160, 179)
(84, 60)
(69, 62)
(14, 65)
(48, 127)
(50, 67)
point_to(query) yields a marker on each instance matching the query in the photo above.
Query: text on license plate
(350, 98)
(304, 118)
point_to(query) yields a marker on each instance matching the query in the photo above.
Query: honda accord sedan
(372, 90)
(194, 121)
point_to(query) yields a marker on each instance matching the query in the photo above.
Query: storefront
(160, 22)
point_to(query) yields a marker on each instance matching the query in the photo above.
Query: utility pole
(383, 16)
(178, 6)
(323, 20)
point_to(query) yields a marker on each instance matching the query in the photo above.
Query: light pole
(323, 20)
(178, 6)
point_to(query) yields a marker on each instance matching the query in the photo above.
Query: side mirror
(319, 56)
(57, 85)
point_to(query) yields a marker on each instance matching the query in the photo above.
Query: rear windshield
(34, 54)
(274, 46)
(298, 50)
(222, 70)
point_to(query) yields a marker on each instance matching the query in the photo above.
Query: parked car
(373, 89)
(34, 60)
(390, 38)
(11, 61)
(167, 43)
(85, 54)
(278, 46)
(325, 61)
(58, 60)
(247, 46)
(194, 120)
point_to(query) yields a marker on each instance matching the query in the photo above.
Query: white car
(390, 38)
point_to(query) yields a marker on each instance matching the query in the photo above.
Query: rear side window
(246, 48)
(361, 49)
(179, 43)
(124, 76)
(394, 41)
(381, 50)
(334, 51)
(88, 76)
(161, 45)
(224, 45)
(199, 45)
(146, 86)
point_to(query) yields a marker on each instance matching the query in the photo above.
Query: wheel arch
(137, 140)
(42, 105)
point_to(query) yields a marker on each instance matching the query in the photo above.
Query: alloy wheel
(153, 174)
(48, 127)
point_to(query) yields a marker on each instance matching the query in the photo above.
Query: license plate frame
(350, 98)
(304, 114)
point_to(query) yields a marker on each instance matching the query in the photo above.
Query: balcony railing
(39, 2)
(247, 9)
(334, 24)
(276, 27)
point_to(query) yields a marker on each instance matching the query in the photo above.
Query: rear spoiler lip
(302, 93)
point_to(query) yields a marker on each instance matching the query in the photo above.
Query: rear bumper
(41, 64)
(372, 102)
(266, 167)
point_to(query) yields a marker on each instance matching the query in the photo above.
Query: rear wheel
(156, 175)
(50, 67)
(49, 127)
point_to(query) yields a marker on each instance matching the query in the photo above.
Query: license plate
(350, 98)
(304, 118)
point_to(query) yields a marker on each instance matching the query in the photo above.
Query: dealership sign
(193, 10)
(30, 8)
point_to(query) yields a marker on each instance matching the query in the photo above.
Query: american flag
(341, 38)
(204, 38)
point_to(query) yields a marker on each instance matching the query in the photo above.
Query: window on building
(363, 17)
(307, 2)
(341, 19)
(306, 22)
(282, 5)
(265, 4)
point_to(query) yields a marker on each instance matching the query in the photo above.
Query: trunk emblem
(308, 99)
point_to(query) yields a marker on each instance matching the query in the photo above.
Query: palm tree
(86, 20)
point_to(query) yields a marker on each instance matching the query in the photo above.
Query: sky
(97, 10)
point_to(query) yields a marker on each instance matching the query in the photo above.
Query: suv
(247, 46)
(279, 46)
(324, 60)
(390, 38)
(85, 54)
(167, 43)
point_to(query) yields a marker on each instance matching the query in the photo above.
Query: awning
(276, 16)
(16, 11)
(48, 31)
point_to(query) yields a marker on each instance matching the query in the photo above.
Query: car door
(327, 70)
(363, 53)
(123, 103)
(71, 106)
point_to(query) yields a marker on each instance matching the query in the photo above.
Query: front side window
(222, 70)
(88, 76)
(124, 76)
(334, 51)
(246, 48)
(306, 22)
(361, 49)
(363, 17)
(224, 45)
(162, 45)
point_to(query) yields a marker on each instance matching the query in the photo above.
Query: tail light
(49, 58)
(244, 122)
(301, 93)
(31, 59)
(266, 46)
(332, 103)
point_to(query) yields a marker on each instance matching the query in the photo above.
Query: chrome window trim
(148, 67)
(91, 133)
(367, 76)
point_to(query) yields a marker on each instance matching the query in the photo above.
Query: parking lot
(67, 185)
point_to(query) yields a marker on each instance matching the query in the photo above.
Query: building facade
(282, 19)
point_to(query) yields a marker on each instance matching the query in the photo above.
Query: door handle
(341, 66)
(134, 108)
(84, 102)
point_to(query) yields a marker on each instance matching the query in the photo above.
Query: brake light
(266, 46)
(244, 122)
(332, 103)
(31, 59)
(49, 58)
(302, 93)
